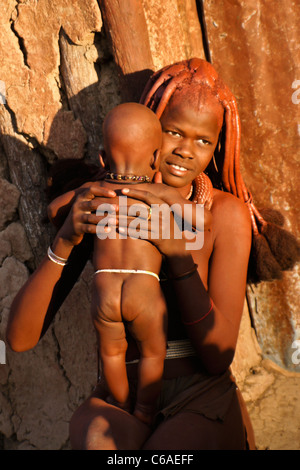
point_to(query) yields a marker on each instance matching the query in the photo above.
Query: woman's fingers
(89, 199)
(96, 191)
(100, 207)
(91, 205)
(146, 196)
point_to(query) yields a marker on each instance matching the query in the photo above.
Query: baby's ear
(102, 158)
(156, 160)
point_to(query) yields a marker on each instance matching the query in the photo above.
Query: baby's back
(124, 251)
(115, 293)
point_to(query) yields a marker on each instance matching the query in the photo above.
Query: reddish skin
(222, 268)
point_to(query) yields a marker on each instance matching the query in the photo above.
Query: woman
(199, 407)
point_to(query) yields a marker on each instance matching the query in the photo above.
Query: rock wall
(59, 80)
(62, 69)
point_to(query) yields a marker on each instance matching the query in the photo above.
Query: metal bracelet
(56, 259)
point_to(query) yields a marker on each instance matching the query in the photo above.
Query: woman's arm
(39, 299)
(215, 336)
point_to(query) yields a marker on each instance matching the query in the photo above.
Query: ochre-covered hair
(273, 249)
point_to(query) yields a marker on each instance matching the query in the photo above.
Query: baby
(126, 289)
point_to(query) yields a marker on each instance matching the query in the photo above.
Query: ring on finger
(149, 214)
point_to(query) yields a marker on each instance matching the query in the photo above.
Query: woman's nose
(184, 150)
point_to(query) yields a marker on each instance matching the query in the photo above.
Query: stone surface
(273, 404)
(13, 242)
(41, 388)
(28, 173)
(9, 196)
(60, 82)
(275, 310)
(174, 31)
(13, 274)
(31, 58)
(91, 86)
(248, 353)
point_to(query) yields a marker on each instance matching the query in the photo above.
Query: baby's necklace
(137, 179)
(123, 178)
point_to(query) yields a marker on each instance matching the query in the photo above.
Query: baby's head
(132, 138)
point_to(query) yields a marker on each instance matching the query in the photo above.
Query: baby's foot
(126, 406)
(144, 414)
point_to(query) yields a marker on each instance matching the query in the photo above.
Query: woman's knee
(97, 425)
(89, 429)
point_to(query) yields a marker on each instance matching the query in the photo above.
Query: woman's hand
(160, 228)
(82, 218)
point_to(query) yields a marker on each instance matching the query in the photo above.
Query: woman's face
(189, 139)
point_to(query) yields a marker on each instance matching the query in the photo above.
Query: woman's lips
(177, 170)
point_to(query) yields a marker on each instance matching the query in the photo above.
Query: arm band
(190, 323)
(185, 275)
(56, 259)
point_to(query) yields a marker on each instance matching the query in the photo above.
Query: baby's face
(189, 140)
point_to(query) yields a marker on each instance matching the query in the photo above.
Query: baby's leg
(143, 297)
(113, 346)
(107, 318)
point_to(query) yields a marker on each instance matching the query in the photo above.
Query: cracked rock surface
(60, 81)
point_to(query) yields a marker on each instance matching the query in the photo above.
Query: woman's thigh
(97, 425)
(192, 431)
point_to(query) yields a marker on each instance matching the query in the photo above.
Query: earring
(215, 163)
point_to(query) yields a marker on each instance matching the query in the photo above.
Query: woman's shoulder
(230, 213)
(223, 201)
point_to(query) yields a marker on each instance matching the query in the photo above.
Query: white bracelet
(56, 259)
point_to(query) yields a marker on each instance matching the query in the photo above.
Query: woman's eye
(173, 133)
(203, 142)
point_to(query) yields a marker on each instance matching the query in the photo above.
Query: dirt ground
(270, 392)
